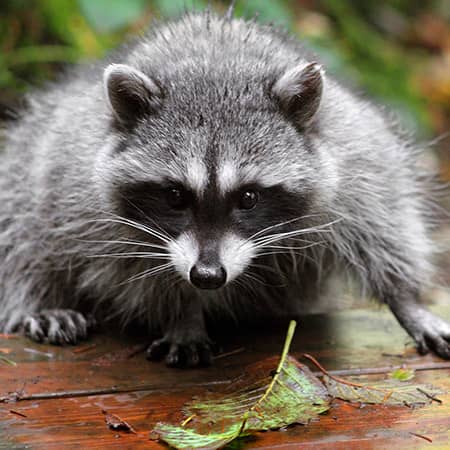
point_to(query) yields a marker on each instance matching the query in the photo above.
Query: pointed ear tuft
(299, 92)
(130, 93)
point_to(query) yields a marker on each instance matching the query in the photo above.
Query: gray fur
(64, 245)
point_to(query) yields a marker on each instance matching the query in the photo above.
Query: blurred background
(397, 51)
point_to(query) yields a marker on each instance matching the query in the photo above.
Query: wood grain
(63, 392)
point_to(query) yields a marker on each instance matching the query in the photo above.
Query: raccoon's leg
(429, 331)
(53, 326)
(185, 342)
(27, 309)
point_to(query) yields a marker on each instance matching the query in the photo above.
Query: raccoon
(210, 168)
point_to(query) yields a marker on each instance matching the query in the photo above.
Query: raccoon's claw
(192, 354)
(57, 326)
(432, 341)
(430, 332)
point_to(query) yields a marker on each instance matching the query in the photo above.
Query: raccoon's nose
(208, 276)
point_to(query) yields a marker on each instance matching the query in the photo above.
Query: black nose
(208, 276)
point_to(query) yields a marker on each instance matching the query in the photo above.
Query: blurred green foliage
(380, 46)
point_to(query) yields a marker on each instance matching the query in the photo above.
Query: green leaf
(185, 438)
(402, 374)
(293, 395)
(110, 15)
(386, 393)
(263, 401)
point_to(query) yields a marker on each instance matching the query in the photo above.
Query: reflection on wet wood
(54, 397)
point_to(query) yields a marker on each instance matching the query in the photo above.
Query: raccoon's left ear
(299, 92)
(130, 93)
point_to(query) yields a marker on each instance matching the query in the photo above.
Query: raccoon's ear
(130, 93)
(299, 92)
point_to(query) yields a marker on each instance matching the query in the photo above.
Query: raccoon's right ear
(130, 93)
(299, 92)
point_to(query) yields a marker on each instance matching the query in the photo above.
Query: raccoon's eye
(177, 198)
(248, 199)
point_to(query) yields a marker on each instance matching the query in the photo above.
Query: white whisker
(265, 240)
(125, 242)
(264, 267)
(137, 226)
(290, 247)
(132, 255)
(148, 273)
(277, 225)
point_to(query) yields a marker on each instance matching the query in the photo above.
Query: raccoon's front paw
(57, 326)
(431, 333)
(193, 350)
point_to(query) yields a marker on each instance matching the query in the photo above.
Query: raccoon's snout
(211, 263)
(208, 276)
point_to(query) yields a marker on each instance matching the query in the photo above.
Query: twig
(230, 353)
(284, 354)
(342, 381)
(17, 413)
(430, 396)
(421, 436)
(16, 396)
(84, 348)
(187, 420)
(386, 369)
(8, 361)
(13, 397)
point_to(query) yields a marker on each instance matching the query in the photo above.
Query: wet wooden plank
(143, 393)
(79, 422)
(357, 338)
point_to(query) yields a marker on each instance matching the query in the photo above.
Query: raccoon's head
(217, 164)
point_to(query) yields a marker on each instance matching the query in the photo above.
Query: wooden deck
(53, 398)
